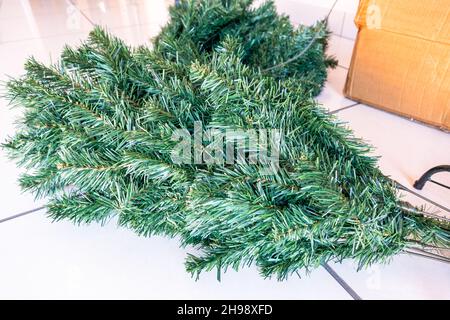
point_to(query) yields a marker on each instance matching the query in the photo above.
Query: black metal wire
(341, 282)
(402, 187)
(21, 214)
(428, 255)
(439, 184)
(344, 108)
(420, 183)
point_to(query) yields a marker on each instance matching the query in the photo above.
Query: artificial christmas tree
(103, 122)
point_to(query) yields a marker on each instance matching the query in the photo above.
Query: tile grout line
(80, 32)
(22, 214)
(82, 13)
(346, 38)
(56, 35)
(341, 281)
(42, 38)
(343, 23)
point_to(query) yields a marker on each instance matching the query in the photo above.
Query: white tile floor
(41, 259)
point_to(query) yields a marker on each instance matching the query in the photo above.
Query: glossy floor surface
(41, 259)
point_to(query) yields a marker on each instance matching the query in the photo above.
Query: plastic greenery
(101, 123)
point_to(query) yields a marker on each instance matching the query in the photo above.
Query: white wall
(309, 11)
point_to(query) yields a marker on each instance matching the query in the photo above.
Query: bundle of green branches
(102, 120)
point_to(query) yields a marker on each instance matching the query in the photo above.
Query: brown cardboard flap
(426, 19)
(401, 74)
(403, 65)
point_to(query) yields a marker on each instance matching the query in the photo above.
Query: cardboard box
(401, 60)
